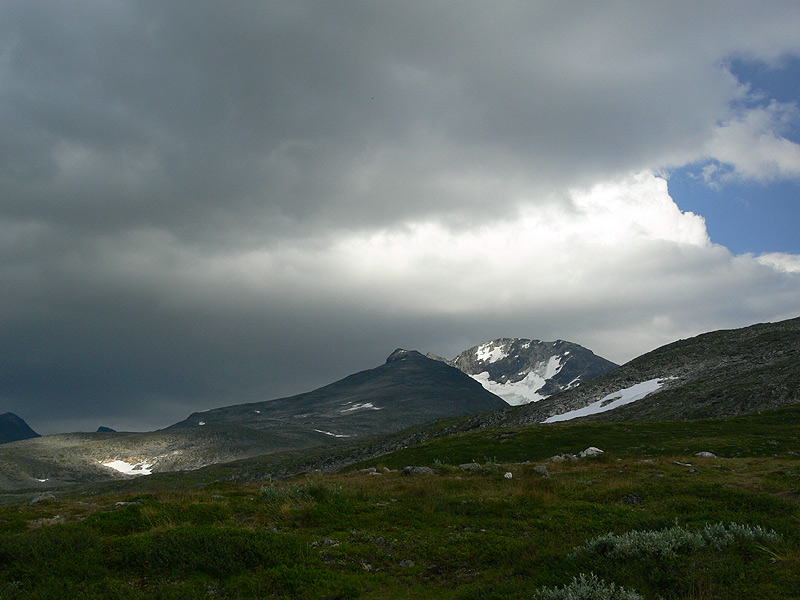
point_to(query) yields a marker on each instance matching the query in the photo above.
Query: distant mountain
(13, 428)
(717, 374)
(522, 371)
(408, 389)
(104, 429)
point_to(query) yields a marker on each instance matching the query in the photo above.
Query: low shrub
(587, 588)
(305, 491)
(673, 541)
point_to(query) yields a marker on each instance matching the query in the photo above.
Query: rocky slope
(522, 370)
(717, 374)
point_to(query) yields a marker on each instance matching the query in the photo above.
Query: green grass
(454, 535)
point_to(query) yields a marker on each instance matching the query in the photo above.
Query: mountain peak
(401, 354)
(525, 370)
(13, 428)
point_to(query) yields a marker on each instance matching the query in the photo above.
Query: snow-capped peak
(524, 370)
(490, 352)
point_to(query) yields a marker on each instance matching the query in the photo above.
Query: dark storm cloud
(172, 113)
(188, 190)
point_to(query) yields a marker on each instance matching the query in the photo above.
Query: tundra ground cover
(457, 534)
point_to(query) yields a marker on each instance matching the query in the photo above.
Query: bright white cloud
(602, 259)
(789, 263)
(554, 250)
(751, 143)
(610, 254)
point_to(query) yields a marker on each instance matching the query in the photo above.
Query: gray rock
(408, 471)
(542, 470)
(632, 499)
(42, 498)
(473, 466)
(705, 454)
(562, 458)
(590, 451)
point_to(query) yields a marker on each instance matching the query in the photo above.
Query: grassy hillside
(682, 526)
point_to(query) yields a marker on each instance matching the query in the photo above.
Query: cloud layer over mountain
(206, 203)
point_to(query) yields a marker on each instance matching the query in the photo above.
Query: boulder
(562, 458)
(46, 497)
(409, 471)
(590, 451)
(542, 470)
(705, 454)
(473, 466)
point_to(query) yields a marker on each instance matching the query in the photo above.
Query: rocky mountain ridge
(524, 370)
(718, 374)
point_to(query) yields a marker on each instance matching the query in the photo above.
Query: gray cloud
(189, 189)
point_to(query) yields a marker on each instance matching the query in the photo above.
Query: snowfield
(140, 468)
(488, 352)
(527, 389)
(613, 400)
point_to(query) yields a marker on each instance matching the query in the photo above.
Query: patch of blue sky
(749, 216)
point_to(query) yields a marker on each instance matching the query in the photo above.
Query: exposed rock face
(522, 371)
(713, 375)
(13, 428)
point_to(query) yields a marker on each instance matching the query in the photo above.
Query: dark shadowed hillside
(407, 390)
(13, 428)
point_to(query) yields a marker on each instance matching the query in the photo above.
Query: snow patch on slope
(612, 401)
(336, 435)
(361, 405)
(525, 390)
(140, 468)
(516, 392)
(490, 353)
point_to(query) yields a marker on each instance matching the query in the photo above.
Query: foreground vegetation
(646, 519)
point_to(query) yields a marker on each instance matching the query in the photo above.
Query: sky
(208, 203)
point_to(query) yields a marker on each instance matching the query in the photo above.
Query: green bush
(587, 588)
(673, 541)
